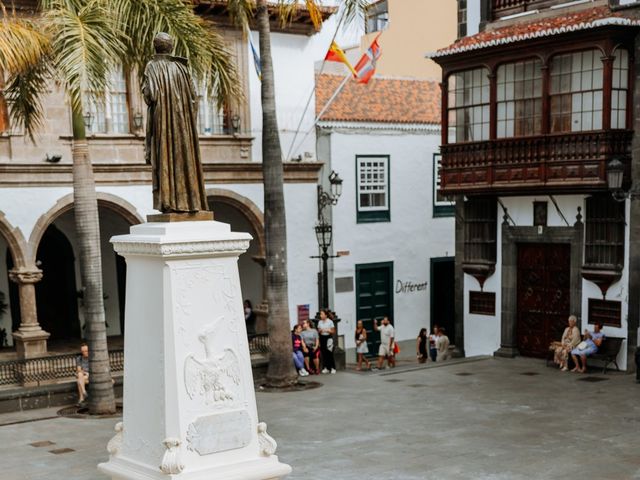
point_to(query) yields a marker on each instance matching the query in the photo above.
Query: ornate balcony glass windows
(619, 89)
(576, 91)
(468, 105)
(110, 111)
(519, 99)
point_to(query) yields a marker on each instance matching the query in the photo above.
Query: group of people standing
(578, 347)
(434, 345)
(313, 347)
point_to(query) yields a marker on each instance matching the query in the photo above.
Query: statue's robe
(172, 136)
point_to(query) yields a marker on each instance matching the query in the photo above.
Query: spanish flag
(336, 54)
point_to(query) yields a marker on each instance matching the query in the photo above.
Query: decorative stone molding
(171, 463)
(182, 249)
(266, 442)
(115, 444)
(25, 275)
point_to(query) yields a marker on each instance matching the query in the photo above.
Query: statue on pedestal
(171, 145)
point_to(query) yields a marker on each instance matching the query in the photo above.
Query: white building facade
(393, 239)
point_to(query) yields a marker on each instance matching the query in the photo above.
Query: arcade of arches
(40, 280)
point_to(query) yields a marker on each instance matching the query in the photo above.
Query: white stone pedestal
(189, 402)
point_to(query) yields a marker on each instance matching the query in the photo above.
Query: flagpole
(313, 89)
(325, 108)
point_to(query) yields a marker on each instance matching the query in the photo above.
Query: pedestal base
(506, 352)
(189, 408)
(31, 344)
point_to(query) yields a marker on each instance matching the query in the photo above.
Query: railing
(559, 162)
(35, 371)
(259, 343)
(502, 8)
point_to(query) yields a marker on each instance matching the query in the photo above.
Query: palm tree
(280, 372)
(78, 43)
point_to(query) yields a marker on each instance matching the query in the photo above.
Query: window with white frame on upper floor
(468, 105)
(519, 99)
(109, 112)
(377, 17)
(212, 119)
(619, 88)
(576, 91)
(372, 188)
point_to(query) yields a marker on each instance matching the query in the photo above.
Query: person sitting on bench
(82, 372)
(589, 346)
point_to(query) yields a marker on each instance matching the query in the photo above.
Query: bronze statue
(171, 145)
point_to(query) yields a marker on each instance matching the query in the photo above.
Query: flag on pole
(256, 59)
(336, 54)
(366, 67)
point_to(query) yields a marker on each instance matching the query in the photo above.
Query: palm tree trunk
(280, 371)
(101, 395)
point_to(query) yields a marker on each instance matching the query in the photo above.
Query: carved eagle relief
(216, 378)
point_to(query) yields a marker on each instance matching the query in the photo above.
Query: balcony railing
(502, 8)
(567, 162)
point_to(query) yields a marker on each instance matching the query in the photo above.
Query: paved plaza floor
(488, 419)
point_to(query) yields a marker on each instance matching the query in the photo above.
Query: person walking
(326, 329)
(361, 345)
(387, 341)
(422, 344)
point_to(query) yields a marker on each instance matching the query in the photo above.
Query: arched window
(576, 91)
(519, 99)
(619, 89)
(468, 108)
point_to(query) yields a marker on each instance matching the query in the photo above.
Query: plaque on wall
(482, 303)
(608, 312)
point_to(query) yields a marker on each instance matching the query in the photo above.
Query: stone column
(30, 340)
(459, 279)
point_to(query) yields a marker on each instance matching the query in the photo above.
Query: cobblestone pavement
(491, 419)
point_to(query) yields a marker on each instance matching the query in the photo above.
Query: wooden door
(443, 295)
(374, 298)
(543, 292)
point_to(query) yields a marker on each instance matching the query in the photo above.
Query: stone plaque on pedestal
(189, 407)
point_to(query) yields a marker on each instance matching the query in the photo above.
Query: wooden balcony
(557, 163)
(503, 8)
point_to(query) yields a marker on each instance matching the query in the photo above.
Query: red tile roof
(568, 22)
(382, 100)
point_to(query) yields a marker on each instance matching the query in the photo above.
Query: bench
(607, 353)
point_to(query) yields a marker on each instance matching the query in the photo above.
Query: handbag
(583, 345)
(396, 348)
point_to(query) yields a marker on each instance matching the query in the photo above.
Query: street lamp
(615, 177)
(137, 120)
(88, 119)
(323, 236)
(329, 198)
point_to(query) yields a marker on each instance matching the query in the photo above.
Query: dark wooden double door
(374, 297)
(544, 293)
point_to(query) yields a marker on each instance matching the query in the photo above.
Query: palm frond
(22, 44)
(210, 58)
(353, 10)
(86, 45)
(24, 94)
(241, 12)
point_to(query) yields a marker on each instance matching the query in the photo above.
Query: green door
(374, 298)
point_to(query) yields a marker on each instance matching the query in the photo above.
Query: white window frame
(381, 165)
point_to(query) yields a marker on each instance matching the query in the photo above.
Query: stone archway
(244, 215)
(112, 208)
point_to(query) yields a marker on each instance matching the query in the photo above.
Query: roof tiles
(568, 22)
(382, 100)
